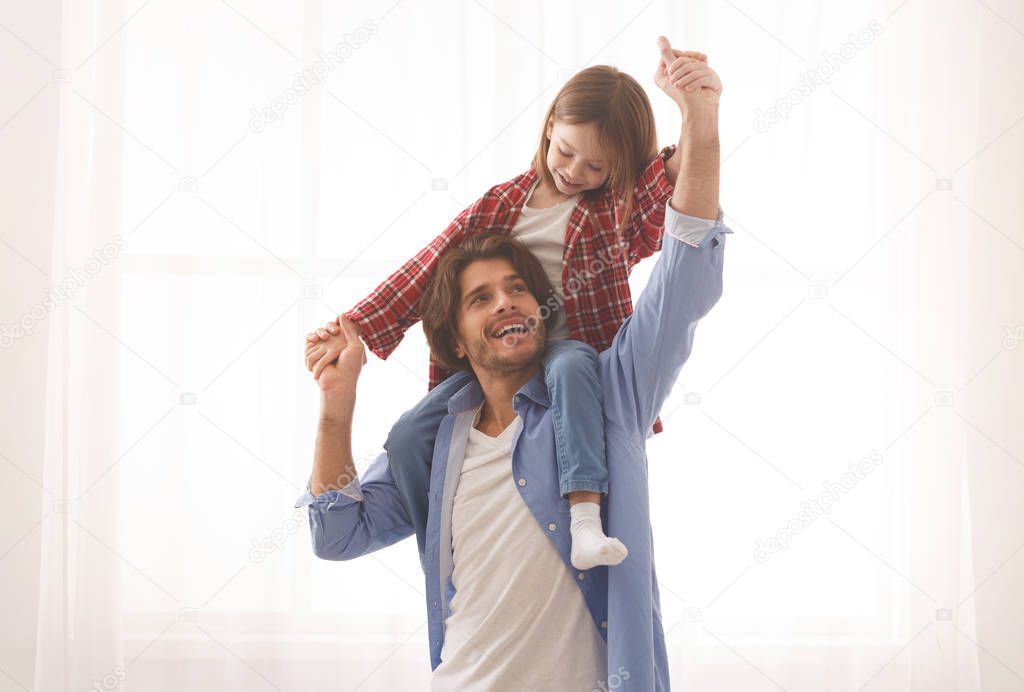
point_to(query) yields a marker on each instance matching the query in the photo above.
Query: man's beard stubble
(488, 357)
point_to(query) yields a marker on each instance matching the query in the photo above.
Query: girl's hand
(341, 371)
(686, 77)
(324, 345)
(331, 328)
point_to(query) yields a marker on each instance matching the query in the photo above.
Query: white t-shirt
(543, 232)
(518, 620)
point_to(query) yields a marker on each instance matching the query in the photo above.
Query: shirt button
(522, 481)
(580, 575)
(604, 624)
(552, 526)
(435, 604)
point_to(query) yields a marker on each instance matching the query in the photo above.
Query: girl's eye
(596, 169)
(563, 153)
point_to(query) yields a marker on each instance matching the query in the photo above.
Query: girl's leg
(574, 387)
(410, 448)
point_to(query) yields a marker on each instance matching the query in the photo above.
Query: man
(506, 609)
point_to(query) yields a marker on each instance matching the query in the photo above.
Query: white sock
(590, 546)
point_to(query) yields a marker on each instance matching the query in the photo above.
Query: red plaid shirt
(595, 263)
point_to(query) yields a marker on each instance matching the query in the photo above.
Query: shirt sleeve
(690, 229)
(651, 192)
(640, 368)
(390, 309)
(353, 490)
(364, 516)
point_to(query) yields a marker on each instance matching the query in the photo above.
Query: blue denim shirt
(637, 373)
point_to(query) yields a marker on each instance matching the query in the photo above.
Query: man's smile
(511, 326)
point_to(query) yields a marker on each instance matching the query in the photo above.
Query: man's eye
(479, 298)
(518, 289)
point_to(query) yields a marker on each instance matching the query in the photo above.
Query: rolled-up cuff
(328, 499)
(692, 230)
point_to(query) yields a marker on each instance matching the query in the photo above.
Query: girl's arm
(382, 317)
(646, 225)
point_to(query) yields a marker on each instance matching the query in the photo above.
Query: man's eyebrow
(508, 278)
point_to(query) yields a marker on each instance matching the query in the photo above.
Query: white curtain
(835, 498)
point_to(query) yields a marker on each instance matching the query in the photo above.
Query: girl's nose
(576, 170)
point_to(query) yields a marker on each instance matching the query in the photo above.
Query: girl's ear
(550, 127)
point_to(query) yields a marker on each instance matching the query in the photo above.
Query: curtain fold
(79, 640)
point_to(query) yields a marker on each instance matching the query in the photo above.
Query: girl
(590, 207)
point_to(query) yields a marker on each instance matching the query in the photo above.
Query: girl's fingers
(333, 328)
(682, 69)
(696, 55)
(678, 63)
(709, 81)
(690, 54)
(312, 337)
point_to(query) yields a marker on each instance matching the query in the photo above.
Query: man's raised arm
(641, 367)
(347, 517)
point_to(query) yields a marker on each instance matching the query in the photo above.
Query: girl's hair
(618, 107)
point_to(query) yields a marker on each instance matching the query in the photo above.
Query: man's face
(499, 328)
(575, 159)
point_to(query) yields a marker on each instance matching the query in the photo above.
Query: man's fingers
(321, 364)
(312, 356)
(689, 77)
(349, 330)
(667, 56)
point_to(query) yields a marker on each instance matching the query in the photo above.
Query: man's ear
(459, 351)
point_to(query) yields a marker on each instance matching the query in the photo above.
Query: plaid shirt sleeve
(647, 220)
(393, 307)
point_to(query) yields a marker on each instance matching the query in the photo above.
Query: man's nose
(503, 301)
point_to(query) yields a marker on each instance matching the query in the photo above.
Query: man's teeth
(510, 329)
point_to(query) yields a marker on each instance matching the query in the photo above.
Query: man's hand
(686, 77)
(337, 360)
(333, 465)
(331, 340)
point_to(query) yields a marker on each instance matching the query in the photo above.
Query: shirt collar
(472, 395)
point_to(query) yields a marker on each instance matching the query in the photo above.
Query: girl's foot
(590, 546)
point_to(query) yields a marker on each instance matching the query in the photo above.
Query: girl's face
(575, 158)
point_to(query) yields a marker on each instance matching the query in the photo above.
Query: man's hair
(441, 302)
